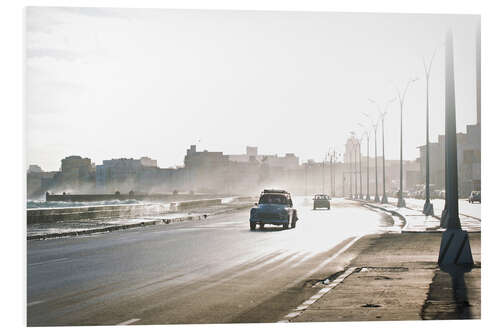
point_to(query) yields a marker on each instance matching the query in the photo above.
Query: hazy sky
(109, 83)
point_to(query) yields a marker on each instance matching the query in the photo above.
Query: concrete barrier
(49, 215)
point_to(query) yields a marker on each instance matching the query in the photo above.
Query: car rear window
(273, 199)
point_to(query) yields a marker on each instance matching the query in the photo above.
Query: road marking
(302, 307)
(48, 261)
(326, 261)
(128, 322)
(35, 303)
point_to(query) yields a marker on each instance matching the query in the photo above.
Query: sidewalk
(395, 277)
(416, 221)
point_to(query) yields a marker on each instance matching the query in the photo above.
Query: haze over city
(108, 83)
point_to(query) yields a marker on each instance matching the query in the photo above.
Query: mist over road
(212, 271)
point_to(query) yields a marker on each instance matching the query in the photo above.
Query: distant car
(321, 201)
(475, 196)
(275, 207)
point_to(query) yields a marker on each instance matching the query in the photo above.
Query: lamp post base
(428, 208)
(401, 202)
(384, 199)
(377, 199)
(455, 248)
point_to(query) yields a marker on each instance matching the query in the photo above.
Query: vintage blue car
(274, 207)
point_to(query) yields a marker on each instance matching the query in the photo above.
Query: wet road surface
(211, 271)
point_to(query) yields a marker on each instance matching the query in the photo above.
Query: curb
(392, 212)
(130, 226)
(404, 231)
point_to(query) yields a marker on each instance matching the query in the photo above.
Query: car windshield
(321, 197)
(273, 199)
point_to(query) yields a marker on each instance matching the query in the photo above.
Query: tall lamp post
(349, 156)
(455, 254)
(382, 115)
(354, 156)
(334, 161)
(401, 98)
(358, 146)
(375, 126)
(367, 134)
(428, 206)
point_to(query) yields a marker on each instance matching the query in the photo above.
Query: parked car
(321, 201)
(475, 196)
(274, 207)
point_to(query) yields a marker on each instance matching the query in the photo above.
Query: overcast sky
(110, 83)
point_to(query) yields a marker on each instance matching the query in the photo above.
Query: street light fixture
(401, 98)
(382, 115)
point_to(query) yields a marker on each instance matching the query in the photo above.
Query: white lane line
(128, 322)
(48, 261)
(35, 303)
(302, 307)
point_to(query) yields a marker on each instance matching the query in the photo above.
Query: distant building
(118, 174)
(33, 168)
(75, 174)
(148, 162)
(289, 161)
(468, 161)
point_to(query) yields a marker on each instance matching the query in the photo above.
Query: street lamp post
(382, 118)
(349, 156)
(454, 253)
(367, 134)
(305, 184)
(323, 177)
(360, 164)
(375, 126)
(354, 146)
(401, 98)
(334, 160)
(428, 206)
(376, 199)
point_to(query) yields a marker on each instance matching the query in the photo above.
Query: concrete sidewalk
(395, 277)
(416, 221)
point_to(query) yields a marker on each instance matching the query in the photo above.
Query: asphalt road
(211, 271)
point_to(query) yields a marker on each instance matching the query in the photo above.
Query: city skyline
(309, 73)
